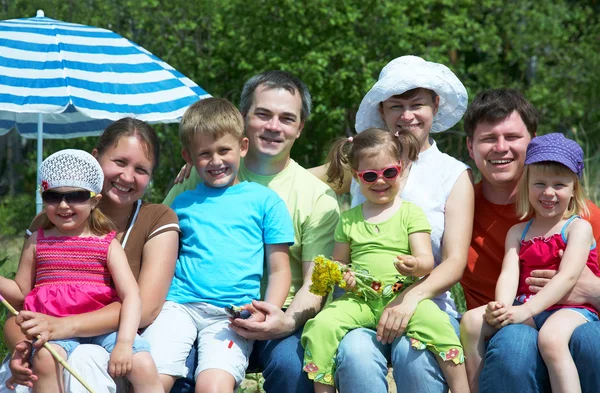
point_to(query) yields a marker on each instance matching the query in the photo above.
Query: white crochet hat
(411, 72)
(71, 168)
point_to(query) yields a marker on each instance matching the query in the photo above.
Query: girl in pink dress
(555, 238)
(69, 267)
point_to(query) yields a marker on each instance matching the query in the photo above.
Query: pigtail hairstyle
(337, 160)
(402, 146)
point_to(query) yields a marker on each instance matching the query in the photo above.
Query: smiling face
(273, 123)
(127, 170)
(70, 218)
(413, 114)
(382, 190)
(217, 161)
(498, 149)
(550, 193)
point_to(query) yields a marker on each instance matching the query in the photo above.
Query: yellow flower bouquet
(327, 273)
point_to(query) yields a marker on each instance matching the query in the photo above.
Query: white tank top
(429, 184)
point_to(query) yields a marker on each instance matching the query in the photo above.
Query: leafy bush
(16, 213)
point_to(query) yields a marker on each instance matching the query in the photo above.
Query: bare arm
(305, 304)
(580, 239)
(420, 263)
(158, 266)
(280, 274)
(457, 238)
(321, 173)
(508, 282)
(14, 291)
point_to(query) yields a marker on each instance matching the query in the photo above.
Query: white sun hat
(411, 72)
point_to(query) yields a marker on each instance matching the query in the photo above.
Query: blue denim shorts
(107, 341)
(541, 318)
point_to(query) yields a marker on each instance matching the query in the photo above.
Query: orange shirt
(484, 262)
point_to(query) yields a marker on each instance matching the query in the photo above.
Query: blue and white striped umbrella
(64, 80)
(81, 78)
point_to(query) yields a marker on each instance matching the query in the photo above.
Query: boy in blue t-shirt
(229, 230)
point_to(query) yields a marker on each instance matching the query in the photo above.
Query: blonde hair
(345, 152)
(577, 204)
(211, 116)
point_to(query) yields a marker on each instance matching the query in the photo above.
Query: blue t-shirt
(223, 233)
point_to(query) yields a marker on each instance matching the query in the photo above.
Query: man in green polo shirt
(275, 106)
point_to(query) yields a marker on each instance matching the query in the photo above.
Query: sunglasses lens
(369, 176)
(52, 196)
(77, 196)
(390, 173)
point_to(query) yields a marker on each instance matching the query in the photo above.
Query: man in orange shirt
(499, 125)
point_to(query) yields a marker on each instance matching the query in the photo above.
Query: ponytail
(409, 145)
(337, 160)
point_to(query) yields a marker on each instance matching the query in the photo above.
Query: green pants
(428, 328)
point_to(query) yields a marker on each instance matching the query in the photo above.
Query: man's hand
(395, 318)
(495, 314)
(121, 360)
(183, 174)
(20, 366)
(585, 291)
(276, 325)
(406, 264)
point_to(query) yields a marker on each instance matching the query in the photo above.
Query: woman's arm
(158, 266)
(321, 173)
(508, 281)
(128, 291)
(455, 243)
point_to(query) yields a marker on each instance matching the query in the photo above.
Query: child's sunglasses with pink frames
(388, 173)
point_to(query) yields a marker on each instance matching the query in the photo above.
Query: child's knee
(143, 366)
(44, 363)
(552, 345)
(471, 323)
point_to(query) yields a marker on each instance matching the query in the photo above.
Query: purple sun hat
(555, 147)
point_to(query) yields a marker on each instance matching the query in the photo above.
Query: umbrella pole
(52, 351)
(40, 152)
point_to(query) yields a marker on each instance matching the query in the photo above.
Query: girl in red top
(555, 238)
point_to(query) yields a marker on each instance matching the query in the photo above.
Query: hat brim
(411, 72)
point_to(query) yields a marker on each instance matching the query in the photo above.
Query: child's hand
(406, 265)
(516, 314)
(255, 314)
(121, 360)
(495, 314)
(350, 280)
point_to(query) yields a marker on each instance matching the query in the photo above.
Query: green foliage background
(548, 50)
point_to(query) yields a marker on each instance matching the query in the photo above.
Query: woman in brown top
(128, 153)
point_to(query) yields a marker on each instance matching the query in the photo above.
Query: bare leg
(48, 370)
(456, 376)
(553, 342)
(474, 330)
(322, 388)
(215, 381)
(143, 375)
(167, 381)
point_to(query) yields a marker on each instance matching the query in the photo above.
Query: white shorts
(177, 327)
